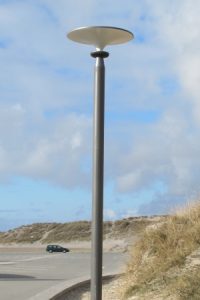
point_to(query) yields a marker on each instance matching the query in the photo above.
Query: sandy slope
(113, 245)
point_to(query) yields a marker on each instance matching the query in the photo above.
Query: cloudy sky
(152, 118)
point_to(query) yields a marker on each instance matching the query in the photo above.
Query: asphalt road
(24, 274)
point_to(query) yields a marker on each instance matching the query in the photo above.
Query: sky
(152, 110)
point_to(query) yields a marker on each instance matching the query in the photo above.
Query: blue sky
(152, 111)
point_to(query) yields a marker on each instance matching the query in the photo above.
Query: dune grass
(186, 286)
(161, 252)
(73, 231)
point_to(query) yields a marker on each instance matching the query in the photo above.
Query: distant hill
(73, 231)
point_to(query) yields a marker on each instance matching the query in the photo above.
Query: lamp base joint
(101, 54)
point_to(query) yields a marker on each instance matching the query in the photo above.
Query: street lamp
(100, 37)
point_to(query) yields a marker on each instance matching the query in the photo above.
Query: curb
(59, 291)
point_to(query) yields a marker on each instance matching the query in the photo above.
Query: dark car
(56, 248)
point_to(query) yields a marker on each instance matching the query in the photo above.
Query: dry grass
(162, 251)
(70, 231)
(130, 226)
(26, 234)
(66, 232)
(186, 286)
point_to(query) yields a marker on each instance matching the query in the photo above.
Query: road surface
(24, 274)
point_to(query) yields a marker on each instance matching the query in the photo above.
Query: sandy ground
(111, 245)
(110, 291)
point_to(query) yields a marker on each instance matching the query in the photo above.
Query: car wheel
(64, 251)
(50, 251)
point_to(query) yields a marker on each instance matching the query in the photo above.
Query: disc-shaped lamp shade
(100, 36)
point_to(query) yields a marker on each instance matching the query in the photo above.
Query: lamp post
(98, 36)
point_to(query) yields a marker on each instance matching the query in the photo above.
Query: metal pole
(98, 170)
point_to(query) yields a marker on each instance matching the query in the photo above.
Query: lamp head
(100, 36)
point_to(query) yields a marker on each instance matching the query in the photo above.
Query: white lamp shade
(100, 36)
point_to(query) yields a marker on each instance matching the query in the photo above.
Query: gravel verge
(110, 290)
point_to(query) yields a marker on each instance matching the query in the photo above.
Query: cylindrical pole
(98, 172)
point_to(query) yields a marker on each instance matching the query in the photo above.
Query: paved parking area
(24, 274)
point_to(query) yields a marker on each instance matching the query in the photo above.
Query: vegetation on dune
(158, 258)
(164, 262)
(69, 231)
(26, 234)
(66, 232)
(186, 286)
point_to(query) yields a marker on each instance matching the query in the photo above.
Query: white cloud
(110, 214)
(178, 26)
(167, 150)
(129, 181)
(129, 213)
(44, 78)
(58, 156)
(76, 141)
